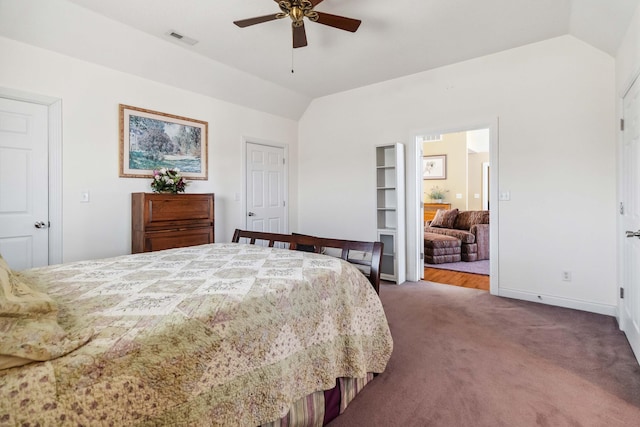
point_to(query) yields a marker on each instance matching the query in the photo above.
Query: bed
(218, 334)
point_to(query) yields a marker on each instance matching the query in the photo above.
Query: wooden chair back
(365, 254)
(270, 238)
(368, 254)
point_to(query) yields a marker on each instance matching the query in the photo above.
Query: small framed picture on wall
(434, 167)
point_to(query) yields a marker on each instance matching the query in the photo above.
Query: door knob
(251, 214)
(40, 224)
(633, 233)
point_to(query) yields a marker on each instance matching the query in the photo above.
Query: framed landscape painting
(150, 140)
(434, 167)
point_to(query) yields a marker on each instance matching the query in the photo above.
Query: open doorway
(456, 174)
(456, 224)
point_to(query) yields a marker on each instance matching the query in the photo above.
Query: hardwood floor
(466, 280)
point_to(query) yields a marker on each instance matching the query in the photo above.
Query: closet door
(629, 302)
(24, 184)
(266, 210)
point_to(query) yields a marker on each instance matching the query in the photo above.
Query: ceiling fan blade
(257, 20)
(299, 36)
(347, 24)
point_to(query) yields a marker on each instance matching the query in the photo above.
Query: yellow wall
(464, 172)
(475, 179)
(454, 145)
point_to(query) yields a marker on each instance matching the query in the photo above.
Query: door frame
(415, 268)
(485, 185)
(285, 182)
(54, 133)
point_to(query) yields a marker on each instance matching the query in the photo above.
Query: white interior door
(630, 304)
(24, 216)
(266, 193)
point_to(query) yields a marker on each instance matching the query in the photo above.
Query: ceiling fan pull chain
(292, 50)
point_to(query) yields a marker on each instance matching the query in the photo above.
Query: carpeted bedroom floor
(463, 357)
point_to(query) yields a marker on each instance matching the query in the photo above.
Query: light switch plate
(84, 197)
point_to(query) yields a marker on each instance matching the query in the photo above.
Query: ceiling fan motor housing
(297, 10)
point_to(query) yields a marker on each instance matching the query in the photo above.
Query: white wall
(90, 96)
(70, 29)
(628, 57)
(556, 107)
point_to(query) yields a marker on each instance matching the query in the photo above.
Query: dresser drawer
(160, 240)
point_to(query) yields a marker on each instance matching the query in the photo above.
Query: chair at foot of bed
(365, 255)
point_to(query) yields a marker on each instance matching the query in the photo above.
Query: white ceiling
(396, 37)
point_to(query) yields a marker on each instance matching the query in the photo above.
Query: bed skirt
(321, 407)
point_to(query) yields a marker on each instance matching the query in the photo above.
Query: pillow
(467, 219)
(444, 218)
(29, 324)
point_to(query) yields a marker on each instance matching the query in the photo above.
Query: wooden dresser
(164, 221)
(430, 209)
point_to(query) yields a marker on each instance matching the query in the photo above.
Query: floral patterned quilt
(220, 334)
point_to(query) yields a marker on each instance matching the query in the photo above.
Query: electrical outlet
(566, 276)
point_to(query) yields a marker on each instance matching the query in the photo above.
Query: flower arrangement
(168, 181)
(437, 193)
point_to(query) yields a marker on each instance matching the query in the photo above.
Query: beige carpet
(465, 358)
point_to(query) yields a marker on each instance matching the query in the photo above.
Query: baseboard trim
(609, 310)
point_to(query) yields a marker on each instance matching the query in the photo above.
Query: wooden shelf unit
(390, 205)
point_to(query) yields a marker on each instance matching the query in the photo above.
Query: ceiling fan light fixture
(296, 14)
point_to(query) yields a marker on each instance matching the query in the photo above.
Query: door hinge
(284, 203)
(621, 208)
(621, 293)
(621, 124)
(283, 161)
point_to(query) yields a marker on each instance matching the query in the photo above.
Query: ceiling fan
(297, 10)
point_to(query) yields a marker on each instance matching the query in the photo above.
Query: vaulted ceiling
(396, 38)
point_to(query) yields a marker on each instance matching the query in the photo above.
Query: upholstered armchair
(471, 227)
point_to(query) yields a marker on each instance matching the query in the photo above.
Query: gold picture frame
(150, 140)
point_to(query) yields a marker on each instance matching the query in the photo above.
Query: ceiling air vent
(184, 39)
